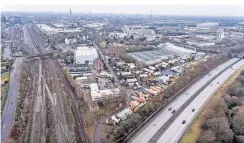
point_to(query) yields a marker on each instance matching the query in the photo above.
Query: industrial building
(98, 65)
(85, 55)
(207, 25)
(97, 94)
(178, 51)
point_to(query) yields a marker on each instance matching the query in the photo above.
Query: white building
(97, 94)
(124, 114)
(70, 41)
(85, 55)
(163, 79)
(208, 25)
(178, 51)
(117, 34)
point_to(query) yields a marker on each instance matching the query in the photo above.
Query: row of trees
(189, 75)
(127, 126)
(224, 123)
(22, 111)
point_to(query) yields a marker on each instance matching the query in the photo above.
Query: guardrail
(178, 112)
(168, 101)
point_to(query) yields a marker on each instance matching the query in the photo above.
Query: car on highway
(184, 121)
(193, 110)
(170, 108)
(173, 111)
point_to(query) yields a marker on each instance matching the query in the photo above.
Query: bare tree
(207, 137)
(238, 124)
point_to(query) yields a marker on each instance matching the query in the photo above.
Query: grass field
(4, 89)
(194, 132)
(4, 78)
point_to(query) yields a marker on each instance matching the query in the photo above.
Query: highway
(177, 129)
(152, 127)
(11, 102)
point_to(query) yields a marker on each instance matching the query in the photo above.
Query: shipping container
(152, 92)
(142, 99)
(125, 73)
(155, 89)
(131, 80)
(131, 84)
(134, 104)
(136, 108)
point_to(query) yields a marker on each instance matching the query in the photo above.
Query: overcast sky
(169, 7)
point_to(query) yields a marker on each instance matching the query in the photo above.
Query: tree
(233, 89)
(225, 134)
(240, 92)
(239, 139)
(220, 108)
(232, 101)
(207, 137)
(238, 124)
(209, 115)
(242, 72)
(5, 82)
(211, 124)
(241, 79)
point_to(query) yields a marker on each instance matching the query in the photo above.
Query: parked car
(170, 108)
(173, 111)
(193, 110)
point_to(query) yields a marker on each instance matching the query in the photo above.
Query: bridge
(41, 55)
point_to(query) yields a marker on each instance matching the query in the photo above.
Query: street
(11, 102)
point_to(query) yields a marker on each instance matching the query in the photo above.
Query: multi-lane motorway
(158, 122)
(10, 105)
(177, 128)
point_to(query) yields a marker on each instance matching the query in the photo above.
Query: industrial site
(103, 78)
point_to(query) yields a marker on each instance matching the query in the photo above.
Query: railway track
(60, 98)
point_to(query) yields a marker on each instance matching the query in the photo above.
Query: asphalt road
(107, 65)
(97, 132)
(177, 129)
(7, 52)
(152, 127)
(11, 102)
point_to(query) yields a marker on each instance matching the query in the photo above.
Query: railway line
(55, 114)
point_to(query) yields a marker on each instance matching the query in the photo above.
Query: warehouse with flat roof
(85, 55)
